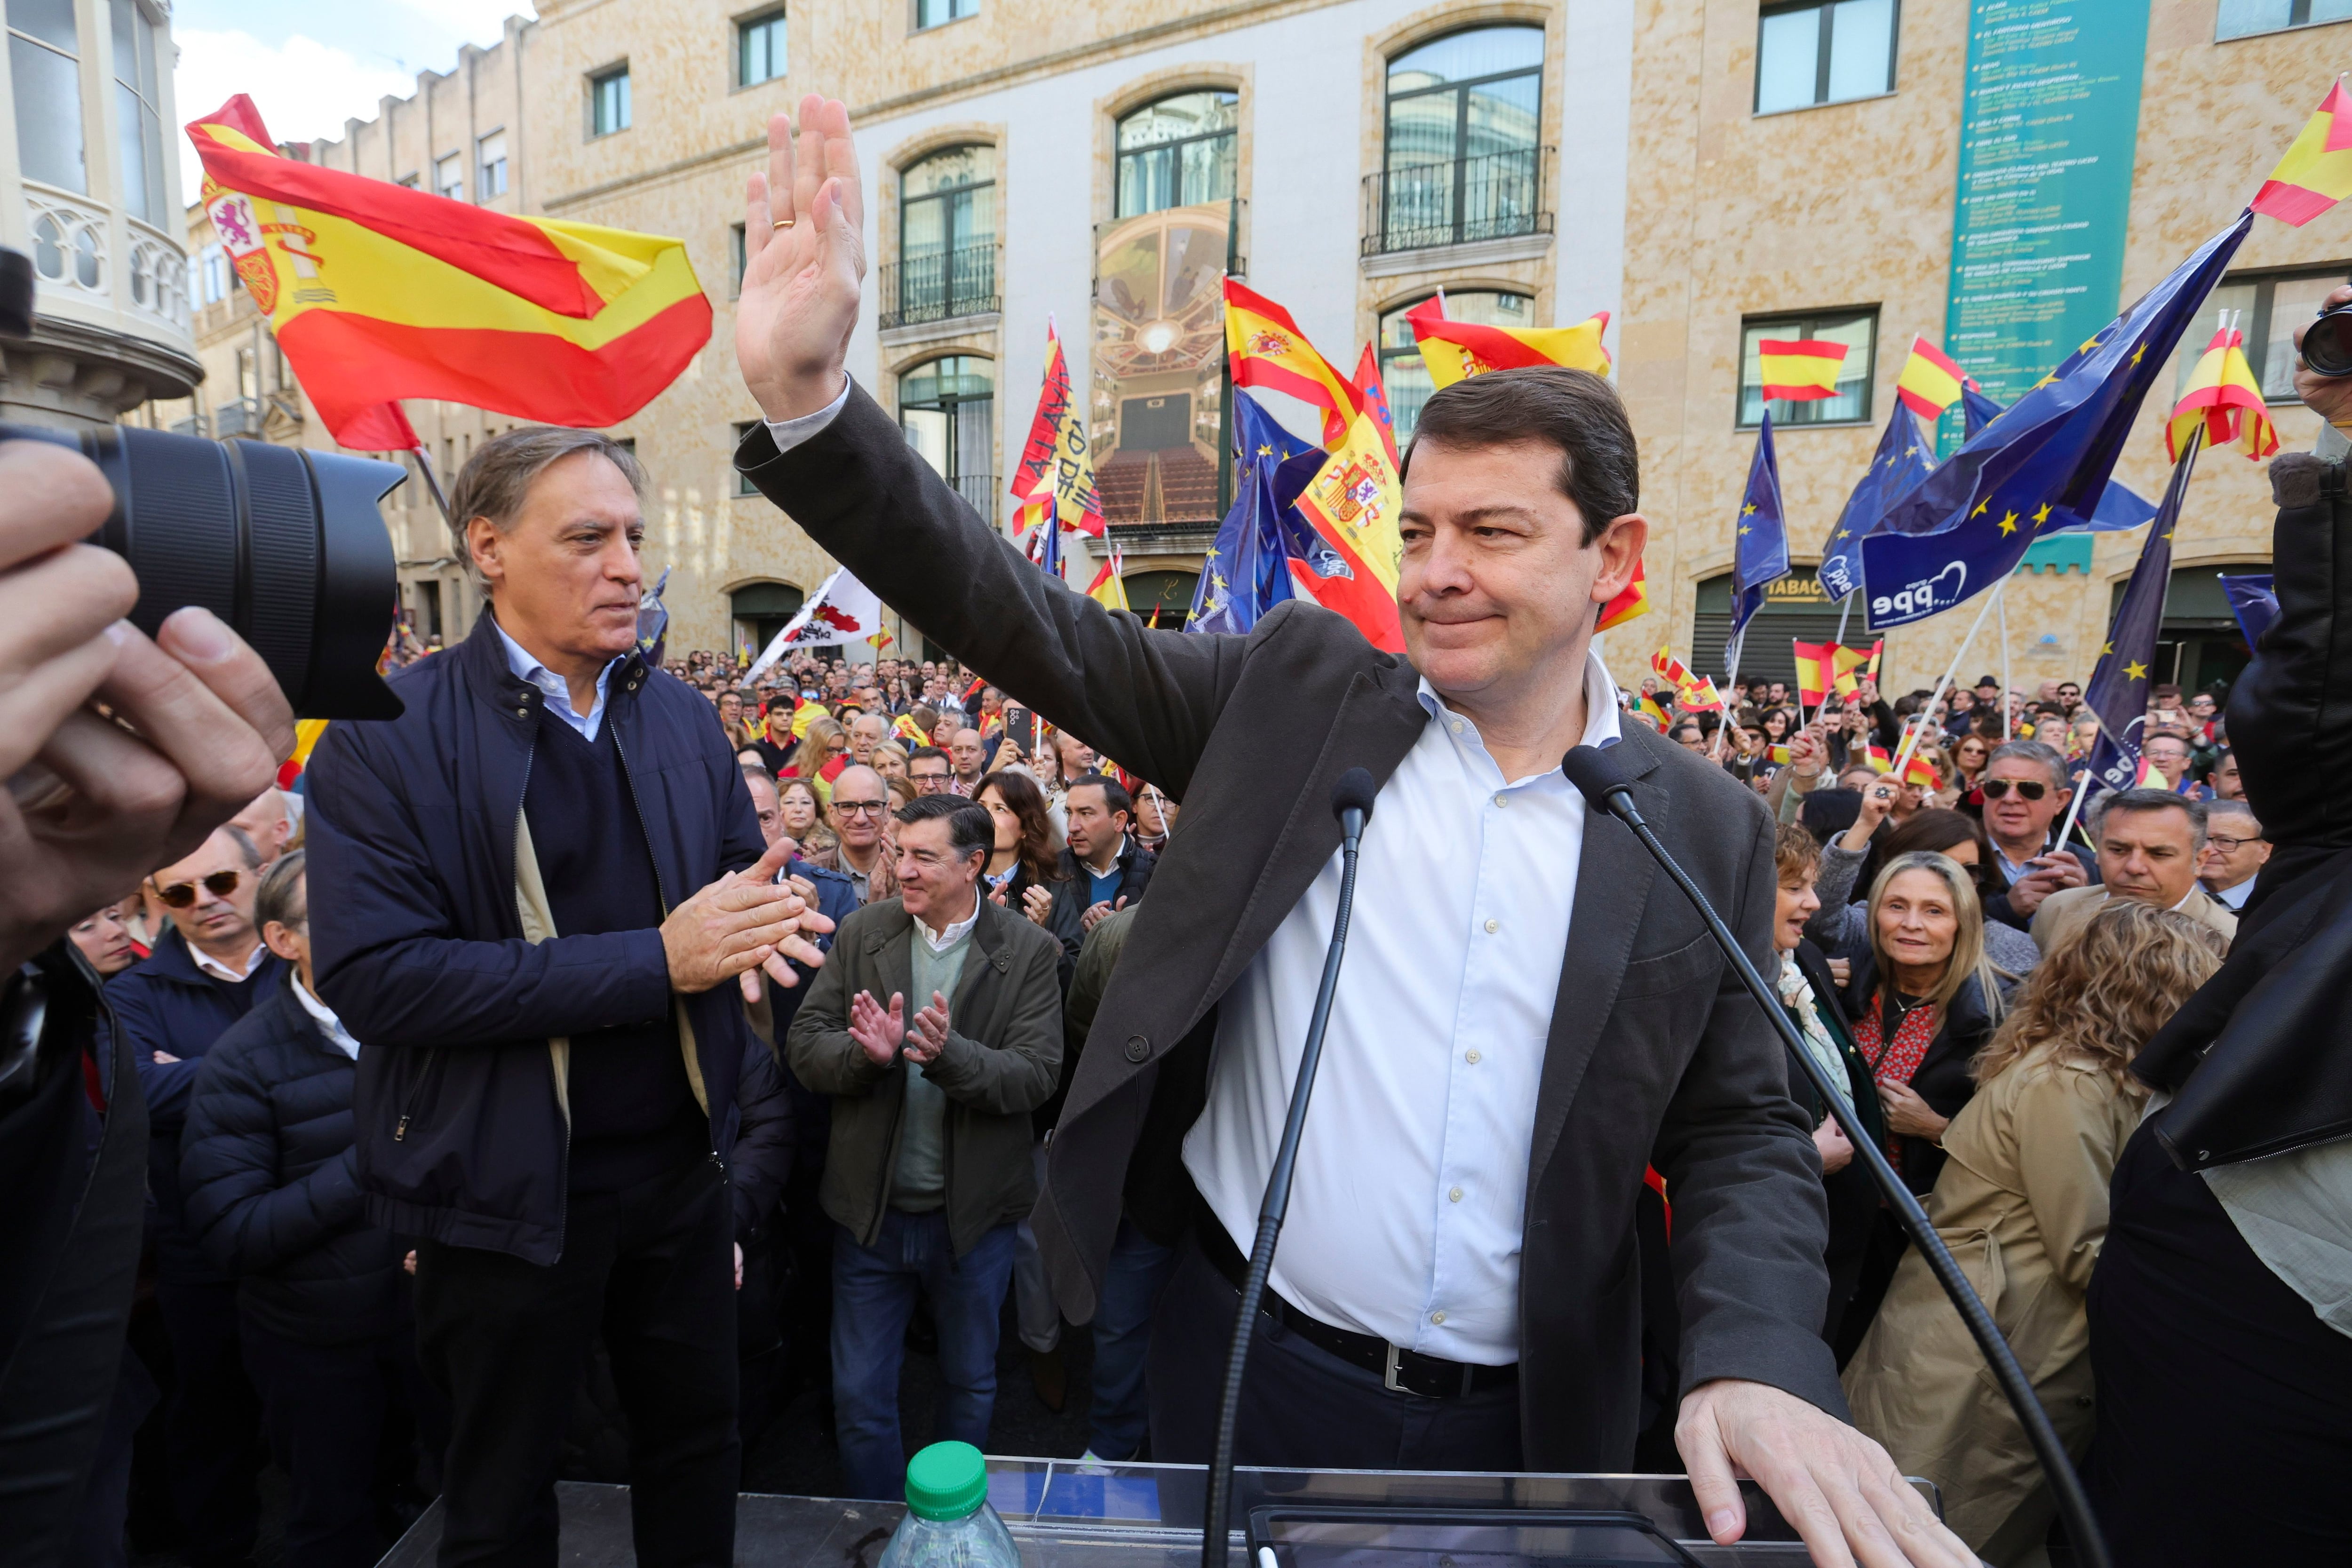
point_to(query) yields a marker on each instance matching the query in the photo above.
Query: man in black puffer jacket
(267, 1173)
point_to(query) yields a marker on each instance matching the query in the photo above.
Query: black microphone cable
(1352, 803)
(1605, 786)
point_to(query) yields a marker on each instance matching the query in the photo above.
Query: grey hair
(2214, 809)
(2156, 800)
(283, 897)
(497, 479)
(2036, 751)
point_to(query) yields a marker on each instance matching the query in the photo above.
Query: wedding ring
(782, 223)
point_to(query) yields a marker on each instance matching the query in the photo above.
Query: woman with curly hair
(2022, 1203)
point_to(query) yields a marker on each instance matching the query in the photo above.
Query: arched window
(1402, 369)
(1177, 151)
(1460, 159)
(947, 235)
(947, 409)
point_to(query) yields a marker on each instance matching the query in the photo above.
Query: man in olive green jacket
(936, 1026)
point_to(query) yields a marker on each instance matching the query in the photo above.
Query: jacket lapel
(1378, 722)
(888, 960)
(1612, 887)
(982, 965)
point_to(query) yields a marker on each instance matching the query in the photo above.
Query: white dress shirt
(220, 971)
(559, 693)
(329, 1025)
(940, 940)
(1406, 1216)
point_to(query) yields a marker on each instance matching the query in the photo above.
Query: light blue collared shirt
(559, 694)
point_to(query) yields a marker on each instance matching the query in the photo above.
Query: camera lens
(282, 542)
(2327, 342)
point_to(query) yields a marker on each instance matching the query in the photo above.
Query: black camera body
(2327, 342)
(283, 543)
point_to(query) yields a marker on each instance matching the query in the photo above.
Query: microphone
(1607, 787)
(1352, 803)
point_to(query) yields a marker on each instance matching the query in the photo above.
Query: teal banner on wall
(2047, 133)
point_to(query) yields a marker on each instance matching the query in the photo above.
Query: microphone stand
(1612, 795)
(1352, 800)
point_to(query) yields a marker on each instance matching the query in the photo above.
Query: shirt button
(1493, 926)
(1470, 1057)
(1502, 800)
(1454, 1196)
(1437, 1317)
(1457, 726)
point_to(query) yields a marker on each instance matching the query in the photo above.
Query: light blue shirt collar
(1601, 724)
(557, 693)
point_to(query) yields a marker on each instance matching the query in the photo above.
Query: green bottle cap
(947, 1481)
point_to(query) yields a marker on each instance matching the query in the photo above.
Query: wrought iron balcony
(980, 492)
(242, 417)
(1462, 201)
(937, 286)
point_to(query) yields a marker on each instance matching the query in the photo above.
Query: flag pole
(2005, 704)
(2073, 807)
(1731, 683)
(433, 483)
(1912, 732)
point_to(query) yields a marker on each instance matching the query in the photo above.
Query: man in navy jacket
(549, 902)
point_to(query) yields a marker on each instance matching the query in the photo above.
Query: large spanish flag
(378, 293)
(2317, 171)
(1352, 501)
(2223, 397)
(1265, 348)
(1057, 474)
(1454, 350)
(1800, 370)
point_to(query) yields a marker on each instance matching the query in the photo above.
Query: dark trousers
(1302, 1407)
(211, 1426)
(653, 1266)
(873, 1291)
(98, 1540)
(325, 1409)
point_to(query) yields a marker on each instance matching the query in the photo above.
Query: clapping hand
(878, 1030)
(1097, 913)
(928, 1037)
(1037, 903)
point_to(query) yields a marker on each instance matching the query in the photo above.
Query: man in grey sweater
(936, 1025)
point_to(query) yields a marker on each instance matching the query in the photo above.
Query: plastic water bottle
(948, 1521)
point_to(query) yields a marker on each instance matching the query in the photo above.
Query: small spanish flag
(1777, 755)
(1649, 708)
(1919, 770)
(1931, 380)
(1109, 589)
(2223, 397)
(905, 728)
(1846, 661)
(1631, 605)
(1800, 370)
(1813, 671)
(1695, 692)
(2317, 171)
(804, 715)
(1454, 350)
(1877, 759)
(1265, 348)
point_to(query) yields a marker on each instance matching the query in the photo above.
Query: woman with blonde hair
(1923, 1000)
(2022, 1203)
(821, 754)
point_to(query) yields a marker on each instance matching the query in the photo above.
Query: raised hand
(804, 263)
(878, 1030)
(1037, 903)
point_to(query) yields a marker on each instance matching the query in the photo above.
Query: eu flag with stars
(2118, 508)
(1902, 460)
(1257, 434)
(2118, 689)
(1760, 547)
(1247, 572)
(2043, 465)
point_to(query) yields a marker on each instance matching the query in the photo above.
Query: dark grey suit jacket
(1656, 1056)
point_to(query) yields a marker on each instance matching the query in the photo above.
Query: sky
(310, 67)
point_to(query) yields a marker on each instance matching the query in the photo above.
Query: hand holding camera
(2323, 370)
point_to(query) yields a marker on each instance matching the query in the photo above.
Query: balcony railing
(979, 491)
(1501, 196)
(242, 417)
(940, 285)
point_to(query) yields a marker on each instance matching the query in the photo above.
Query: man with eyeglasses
(860, 803)
(937, 1027)
(2026, 789)
(2236, 851)
(931, 770)
(207, 970)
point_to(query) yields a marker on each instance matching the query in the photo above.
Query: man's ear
(1620, 546)
(482, 544)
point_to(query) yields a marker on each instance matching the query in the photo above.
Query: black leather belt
(1400, 1370)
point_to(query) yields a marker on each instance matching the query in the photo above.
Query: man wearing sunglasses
(2026, 791)
(207, 970)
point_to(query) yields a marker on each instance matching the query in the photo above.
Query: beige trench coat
(2022, 1203)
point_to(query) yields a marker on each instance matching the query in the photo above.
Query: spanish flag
(1931, 380)
(1922, 773)
(1813, 673)
(2317, 171)
(1109, 589)
(306, 741)
(1649, 708)
(1846, 661)
(1630, 605)
(1372, 396)
(905, 729)
(1455, 351)
(1695, 692)
(807, 713)
(1800, 370)
(378, 293)
(1056, 473)
(1352, 501)
(1265, 348)
(1877, 759)
(2224, 398)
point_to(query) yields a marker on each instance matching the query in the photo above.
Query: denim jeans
(874, 1291)
(1139, 1266)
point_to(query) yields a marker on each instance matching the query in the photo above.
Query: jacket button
(1138, 1048)
(522, 713)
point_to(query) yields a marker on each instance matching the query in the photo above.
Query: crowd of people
(1977, 986)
